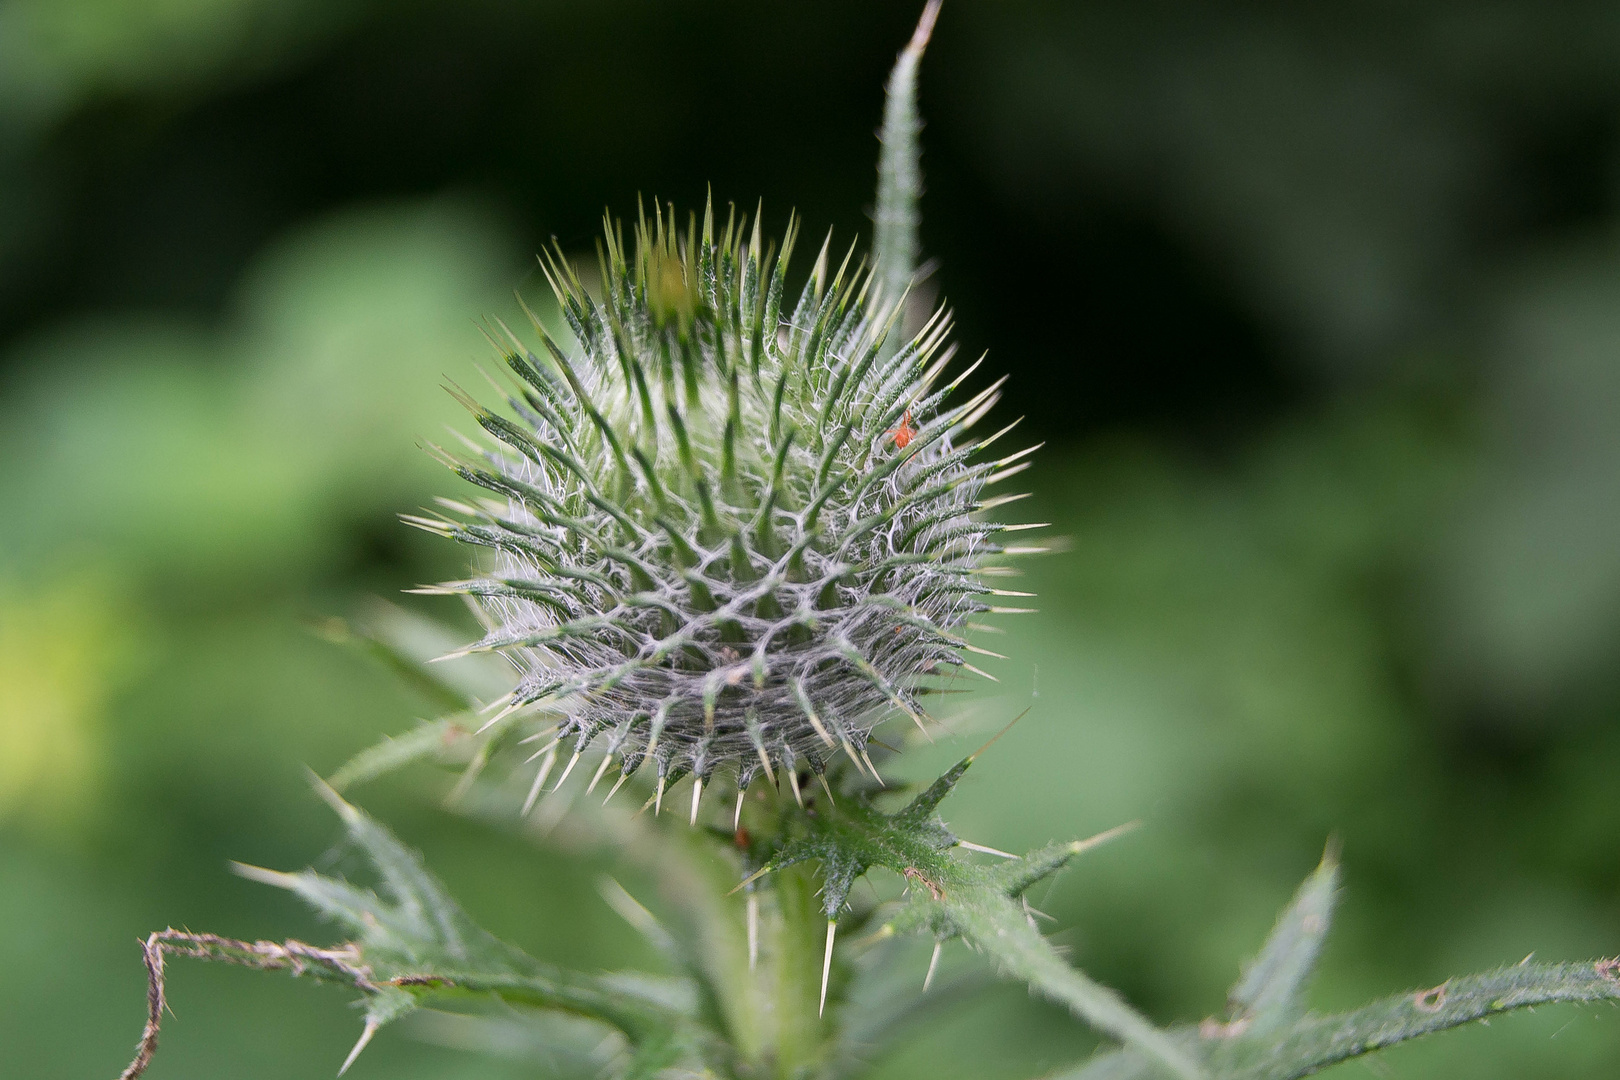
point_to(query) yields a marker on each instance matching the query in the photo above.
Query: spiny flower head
(726, 533)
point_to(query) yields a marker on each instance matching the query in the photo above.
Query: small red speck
(742, 839)
(903, 434)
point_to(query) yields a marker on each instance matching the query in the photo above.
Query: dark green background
(1318, 306)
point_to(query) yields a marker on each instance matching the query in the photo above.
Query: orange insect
(903, 434)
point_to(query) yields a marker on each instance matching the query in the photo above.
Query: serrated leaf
(850, 839)
(956, 898)
(418, 920)
(413, 942)
(1314, 1043)
(988, 919)
(1270, 1037)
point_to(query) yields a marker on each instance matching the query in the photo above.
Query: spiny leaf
(1316, 1042)
(1269, 993)
(1271, 1038)
(977, 905)
(855, 836)
(410, 943)
(956, 898)
(1017, 876)
(990, 922)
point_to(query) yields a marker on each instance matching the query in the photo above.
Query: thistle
(728, 534)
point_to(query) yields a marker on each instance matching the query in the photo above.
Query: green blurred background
(1317, 305)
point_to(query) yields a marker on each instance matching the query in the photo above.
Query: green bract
(728, 533)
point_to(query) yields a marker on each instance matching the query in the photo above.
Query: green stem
(767, 1011)
(796, 937)
(894, 243)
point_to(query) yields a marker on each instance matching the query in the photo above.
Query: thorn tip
(826, 965)
(372, 1025)
(933, 965)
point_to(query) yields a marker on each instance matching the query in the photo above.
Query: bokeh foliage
(1317, 306)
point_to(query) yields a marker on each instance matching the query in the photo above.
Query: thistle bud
(726, 533)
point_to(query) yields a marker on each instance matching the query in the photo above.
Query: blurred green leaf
(1271, 992)
(56, 55)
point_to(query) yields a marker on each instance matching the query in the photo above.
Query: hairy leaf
(1317, 1042)
(1270, 1037)
(415, 935)
(412, 942)
(952, 897)
(991, 922)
